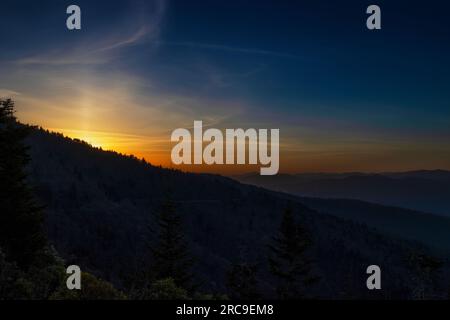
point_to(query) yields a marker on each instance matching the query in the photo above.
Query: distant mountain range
(99, 204)
(427, 191)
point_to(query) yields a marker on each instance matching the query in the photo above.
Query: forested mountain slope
(99, 205)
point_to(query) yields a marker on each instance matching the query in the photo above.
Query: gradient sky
(344, 98)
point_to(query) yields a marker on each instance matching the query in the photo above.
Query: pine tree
(21, 219)
(169, 254)
(288, 261)
(29, 267)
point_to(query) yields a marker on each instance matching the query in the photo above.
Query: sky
(344, 98)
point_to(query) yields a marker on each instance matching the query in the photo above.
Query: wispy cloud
(145, 32)
(95, 51)
(135, 38)
(208, 46)
(57, 60)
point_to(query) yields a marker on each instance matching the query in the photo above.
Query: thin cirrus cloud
(103, 48)
(227, 48)
(92, 53)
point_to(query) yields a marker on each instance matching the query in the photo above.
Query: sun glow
(96, 139)
(153, 149)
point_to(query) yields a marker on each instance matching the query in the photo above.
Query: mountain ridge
(99, 203)
(421, 190)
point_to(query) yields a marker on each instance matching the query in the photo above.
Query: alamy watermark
(231, 149)
(74, 280)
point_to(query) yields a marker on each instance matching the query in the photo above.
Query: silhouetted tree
(288, 261)
(242, 283)
(34, 269)
(21, 219)
(170, 257)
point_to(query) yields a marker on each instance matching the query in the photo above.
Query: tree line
(30, 268)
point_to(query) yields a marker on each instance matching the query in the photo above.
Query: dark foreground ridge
(100, 203)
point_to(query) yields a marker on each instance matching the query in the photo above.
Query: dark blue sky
(343, 97)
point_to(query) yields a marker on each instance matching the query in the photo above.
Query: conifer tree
(288, 261)
(29, 267)
(21, 219)
(169, 253)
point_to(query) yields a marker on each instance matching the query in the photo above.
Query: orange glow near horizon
(157, 152)
(127, 144)
(133, 145)
(144, 129)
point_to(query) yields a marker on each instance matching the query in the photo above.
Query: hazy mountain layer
(427, 191)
